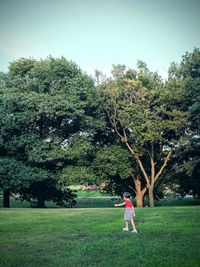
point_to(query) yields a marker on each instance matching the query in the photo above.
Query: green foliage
(77, 175)
(79, 147)
(39, 192)
(145, 115)
(15, 174)
(111, 161)
(144, 108)
(187, 73)
(49, 112)
(113, 166)
(53, 129)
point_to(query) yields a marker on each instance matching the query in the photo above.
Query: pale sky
(98, 33)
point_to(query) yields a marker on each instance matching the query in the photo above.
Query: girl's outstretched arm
(120, 204)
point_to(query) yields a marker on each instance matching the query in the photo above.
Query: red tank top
(128, 203)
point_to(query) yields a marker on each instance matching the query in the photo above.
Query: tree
(143, 112)
(46, 107)
(15, 175)
(113, 164)
(187, 166)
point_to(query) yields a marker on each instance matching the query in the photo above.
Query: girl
(129, 212)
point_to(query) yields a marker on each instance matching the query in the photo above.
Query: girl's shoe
(125, 229)
(134, 231)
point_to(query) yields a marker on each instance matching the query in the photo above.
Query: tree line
(132, 131)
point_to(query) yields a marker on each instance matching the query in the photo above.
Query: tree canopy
(144, 113)
(59, 126)
(47, 118)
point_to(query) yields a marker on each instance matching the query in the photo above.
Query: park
(93, 237)
(99, 167)
(44, 160)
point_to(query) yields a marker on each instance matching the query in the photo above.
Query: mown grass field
(167, 236)
(95, 199)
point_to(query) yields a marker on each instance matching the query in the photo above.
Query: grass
(83, 202)
(167, 236)
(89, 193)
(91, 200)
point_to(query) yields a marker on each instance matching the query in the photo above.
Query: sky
(95, 34)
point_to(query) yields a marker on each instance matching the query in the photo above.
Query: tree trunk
(151, 197)
(139, 199)
(139, 193)
(6, 198)
(40, 203)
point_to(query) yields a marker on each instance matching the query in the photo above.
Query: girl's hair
(126, 194)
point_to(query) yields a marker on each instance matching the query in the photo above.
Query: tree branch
(152, 171)
(164, 164)
(144, 190)
(114, 125)
(132, 189)
(143, 171)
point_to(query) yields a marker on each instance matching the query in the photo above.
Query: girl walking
(129, 212)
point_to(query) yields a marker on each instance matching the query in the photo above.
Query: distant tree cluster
(133, 131)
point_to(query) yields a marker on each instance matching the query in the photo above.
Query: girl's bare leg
(126, 226)
(133, 225)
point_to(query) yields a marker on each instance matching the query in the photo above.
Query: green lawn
(92, 200)
(167, 236)
(90, 193)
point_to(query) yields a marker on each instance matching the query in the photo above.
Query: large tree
(188, 163)
(47, 108)
(144, 113)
